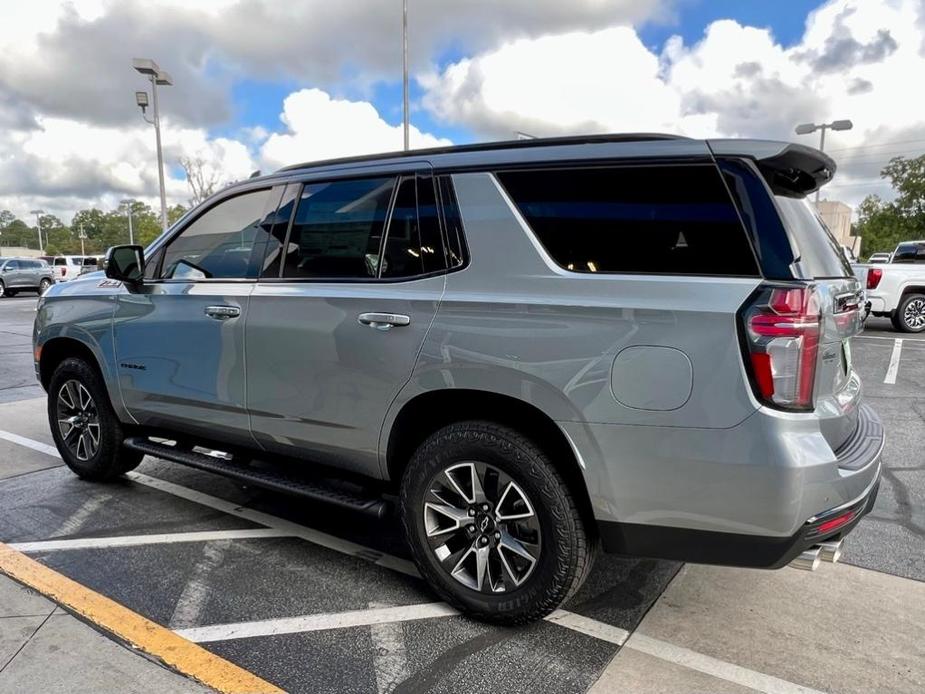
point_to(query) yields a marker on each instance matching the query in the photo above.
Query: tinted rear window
(909, 253)
(642, 219)
(820, 254)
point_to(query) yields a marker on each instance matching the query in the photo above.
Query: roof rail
(488, 146)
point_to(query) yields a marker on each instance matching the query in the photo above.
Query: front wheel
(84, 426)
(43, 286)
(492, 524)
(909, 316)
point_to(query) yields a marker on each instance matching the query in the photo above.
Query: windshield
(820, 254)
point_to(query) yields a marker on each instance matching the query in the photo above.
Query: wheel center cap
(484, 523)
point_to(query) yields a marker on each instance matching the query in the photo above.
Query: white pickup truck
(897, 289)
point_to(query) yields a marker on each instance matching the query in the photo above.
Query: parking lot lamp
(38, 224)
(128, 211)
(158, 77)
(807, 128)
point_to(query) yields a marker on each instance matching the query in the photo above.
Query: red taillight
(63, 271)
(874, 275)
(782, 327)
(834, 524)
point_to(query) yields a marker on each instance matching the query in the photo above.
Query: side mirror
(125, 263)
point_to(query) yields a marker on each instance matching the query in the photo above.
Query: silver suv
(640, 342)
(24, 275)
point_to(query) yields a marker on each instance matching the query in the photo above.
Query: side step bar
(276, 481)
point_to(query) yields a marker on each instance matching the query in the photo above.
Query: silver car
(24, 275)
(637, 342)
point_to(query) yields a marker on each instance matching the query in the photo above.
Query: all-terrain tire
(566, 550)
(110, 459)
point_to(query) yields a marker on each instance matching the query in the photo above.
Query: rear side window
(641, 219)
(337, 231)
(452, 223)
(820, 254)
(413, 245)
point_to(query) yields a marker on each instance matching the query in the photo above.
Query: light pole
(38, 223)
(82, 236)
(128, 209)
(157, 77)
(406, 122)
(807, 128)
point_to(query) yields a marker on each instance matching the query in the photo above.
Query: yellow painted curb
(175, 651)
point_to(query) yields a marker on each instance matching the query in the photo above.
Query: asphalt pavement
(314, 600)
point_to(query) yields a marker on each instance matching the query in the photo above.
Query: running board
(265, 479)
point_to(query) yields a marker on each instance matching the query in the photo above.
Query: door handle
(384, 321)
(222, 312)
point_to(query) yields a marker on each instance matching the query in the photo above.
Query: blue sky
(259, 102)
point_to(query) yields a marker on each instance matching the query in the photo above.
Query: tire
(562, 552)
(909, 316)
(43, 286)
(3, 292)
(76, 390)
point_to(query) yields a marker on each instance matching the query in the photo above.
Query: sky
(259, 84)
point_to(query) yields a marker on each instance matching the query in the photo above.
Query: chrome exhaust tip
(808, 560)
(830, 551)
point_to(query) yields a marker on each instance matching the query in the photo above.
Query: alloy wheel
(78, 420)
(481, 527)
(914, 314)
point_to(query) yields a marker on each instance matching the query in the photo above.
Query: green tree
(882, 224)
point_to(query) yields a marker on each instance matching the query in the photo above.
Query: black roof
(491, 146)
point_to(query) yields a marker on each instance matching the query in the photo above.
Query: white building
(837, 217)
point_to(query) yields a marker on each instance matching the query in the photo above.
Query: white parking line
(390, 654)
(893, 368)
(136, 540)
(715, 667)
(589, 627)
(77, 519)
(29, 443)
(316, 622)
(196, 593)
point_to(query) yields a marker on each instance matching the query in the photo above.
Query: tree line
(883, 224)
(102, 229)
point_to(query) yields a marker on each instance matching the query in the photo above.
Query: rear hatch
(798, 328)
(837, 388)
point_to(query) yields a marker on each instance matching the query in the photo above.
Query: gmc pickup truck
(897, 289)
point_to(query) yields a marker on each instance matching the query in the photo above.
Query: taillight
(874, 275)
(63, 271)
(781, 328)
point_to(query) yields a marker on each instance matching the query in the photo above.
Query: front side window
(338, 227)
(220, 243)
(640, 219)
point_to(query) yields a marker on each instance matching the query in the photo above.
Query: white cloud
(319, 127)
(857, 59)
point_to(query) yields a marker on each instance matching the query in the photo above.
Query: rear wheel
(2, 289)
(84, 426)
(909, 316)
(492, 525)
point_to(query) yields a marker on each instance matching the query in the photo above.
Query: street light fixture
(158, 77)
(38, 222)
(808, 128)
(128, 209)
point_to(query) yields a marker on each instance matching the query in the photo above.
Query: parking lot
(311, 599)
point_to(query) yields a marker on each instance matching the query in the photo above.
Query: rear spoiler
(790, 169)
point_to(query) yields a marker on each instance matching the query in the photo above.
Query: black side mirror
(125, 263)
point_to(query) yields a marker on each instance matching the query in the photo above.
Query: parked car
(876, 258)
(91, 263)
(24, 275)
(897, 289)
(67, 267)
(639, 342)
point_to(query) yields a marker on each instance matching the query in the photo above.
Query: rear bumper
(731, 549)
